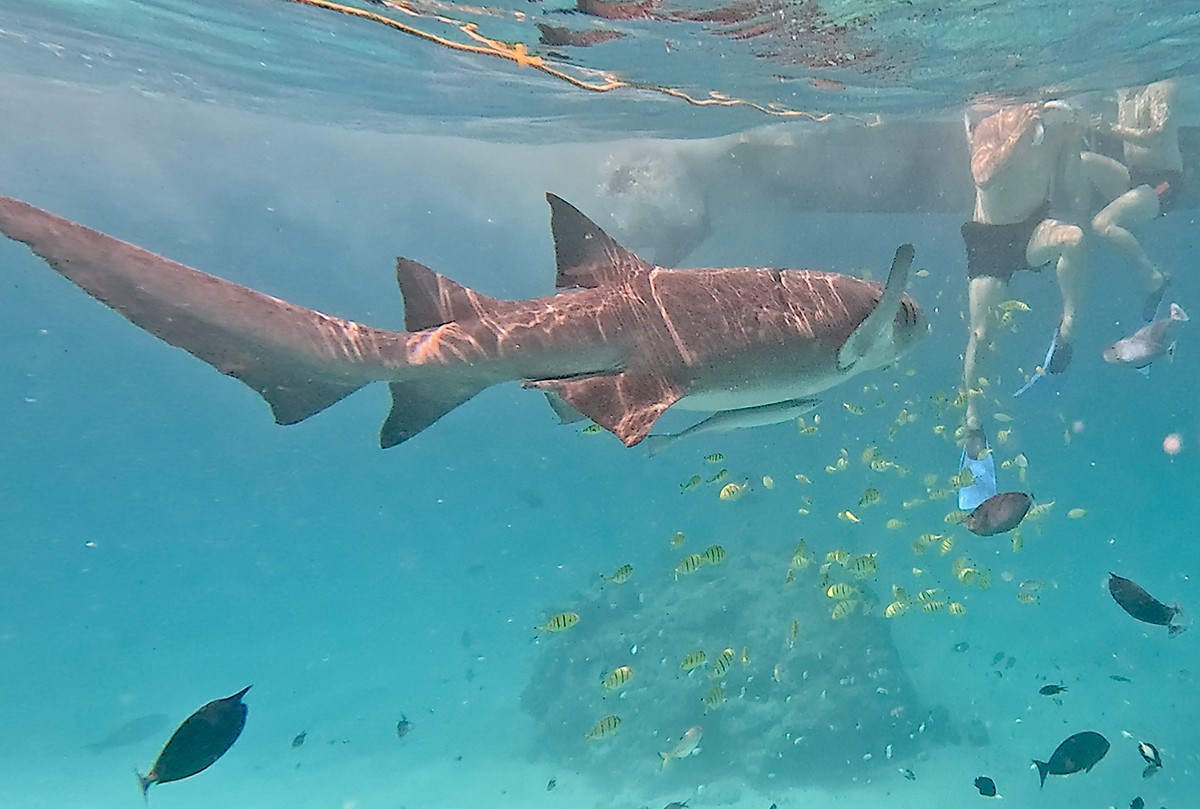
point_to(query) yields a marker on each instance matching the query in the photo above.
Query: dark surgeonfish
(1079, 752)
(620, 342)
(999, 513)
(986, 787)
(132, 732)
(1146, 344)
(203, 738)
(1141, 605)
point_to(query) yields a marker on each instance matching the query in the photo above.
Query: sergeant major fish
(620, 341)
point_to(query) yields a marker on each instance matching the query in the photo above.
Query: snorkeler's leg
(1109, 177)
(1064, 244)
(1133, 208)
(983, 293)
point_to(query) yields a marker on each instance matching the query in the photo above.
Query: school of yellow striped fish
(876, 537)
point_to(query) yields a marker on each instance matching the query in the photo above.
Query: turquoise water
(166, 544)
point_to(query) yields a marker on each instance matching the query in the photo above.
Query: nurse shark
(619, 342)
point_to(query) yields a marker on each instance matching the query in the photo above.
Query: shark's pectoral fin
(626, 404)
(566, 414)
(418, 404)
(877, 326)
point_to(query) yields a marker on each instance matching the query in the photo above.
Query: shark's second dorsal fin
(431, 299)
(587, 256)
(877, 326)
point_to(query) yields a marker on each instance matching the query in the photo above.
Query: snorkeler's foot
(977, 458)
(975, 443)
(1059, 355)
(1155, 298)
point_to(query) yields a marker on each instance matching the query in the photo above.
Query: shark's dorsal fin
(626, 404)
(587, 256)
(877, 326)
(431, 299)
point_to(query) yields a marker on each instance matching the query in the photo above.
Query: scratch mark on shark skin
(686, 354)
(423, 347)
(343, 338)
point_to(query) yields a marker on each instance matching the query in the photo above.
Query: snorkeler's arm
(1160, 119)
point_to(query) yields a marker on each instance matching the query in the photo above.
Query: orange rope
(519, 54)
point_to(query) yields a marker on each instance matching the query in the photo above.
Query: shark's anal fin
(431, 299)
(299, 360)
(587, 256)
(626, 404)
(877, 326)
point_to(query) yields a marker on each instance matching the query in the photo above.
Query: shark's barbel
(619, 343)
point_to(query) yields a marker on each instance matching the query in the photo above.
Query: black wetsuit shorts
(998, 251)
(1168, 184)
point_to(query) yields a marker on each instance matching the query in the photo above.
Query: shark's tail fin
(299, 360)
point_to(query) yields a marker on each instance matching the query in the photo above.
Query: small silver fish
(1146, 344)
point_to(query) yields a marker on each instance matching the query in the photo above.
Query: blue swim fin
(984, 470)
(1058, 357)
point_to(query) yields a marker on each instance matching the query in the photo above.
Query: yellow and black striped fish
(862, 566)
(689, 564)
(560, 622)
(620, 575)
(895, 609)
(617, 678)
(692, 661)
(714, 698)
(722, 664)
(732, 491)
(603, 729)
(843, 609)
